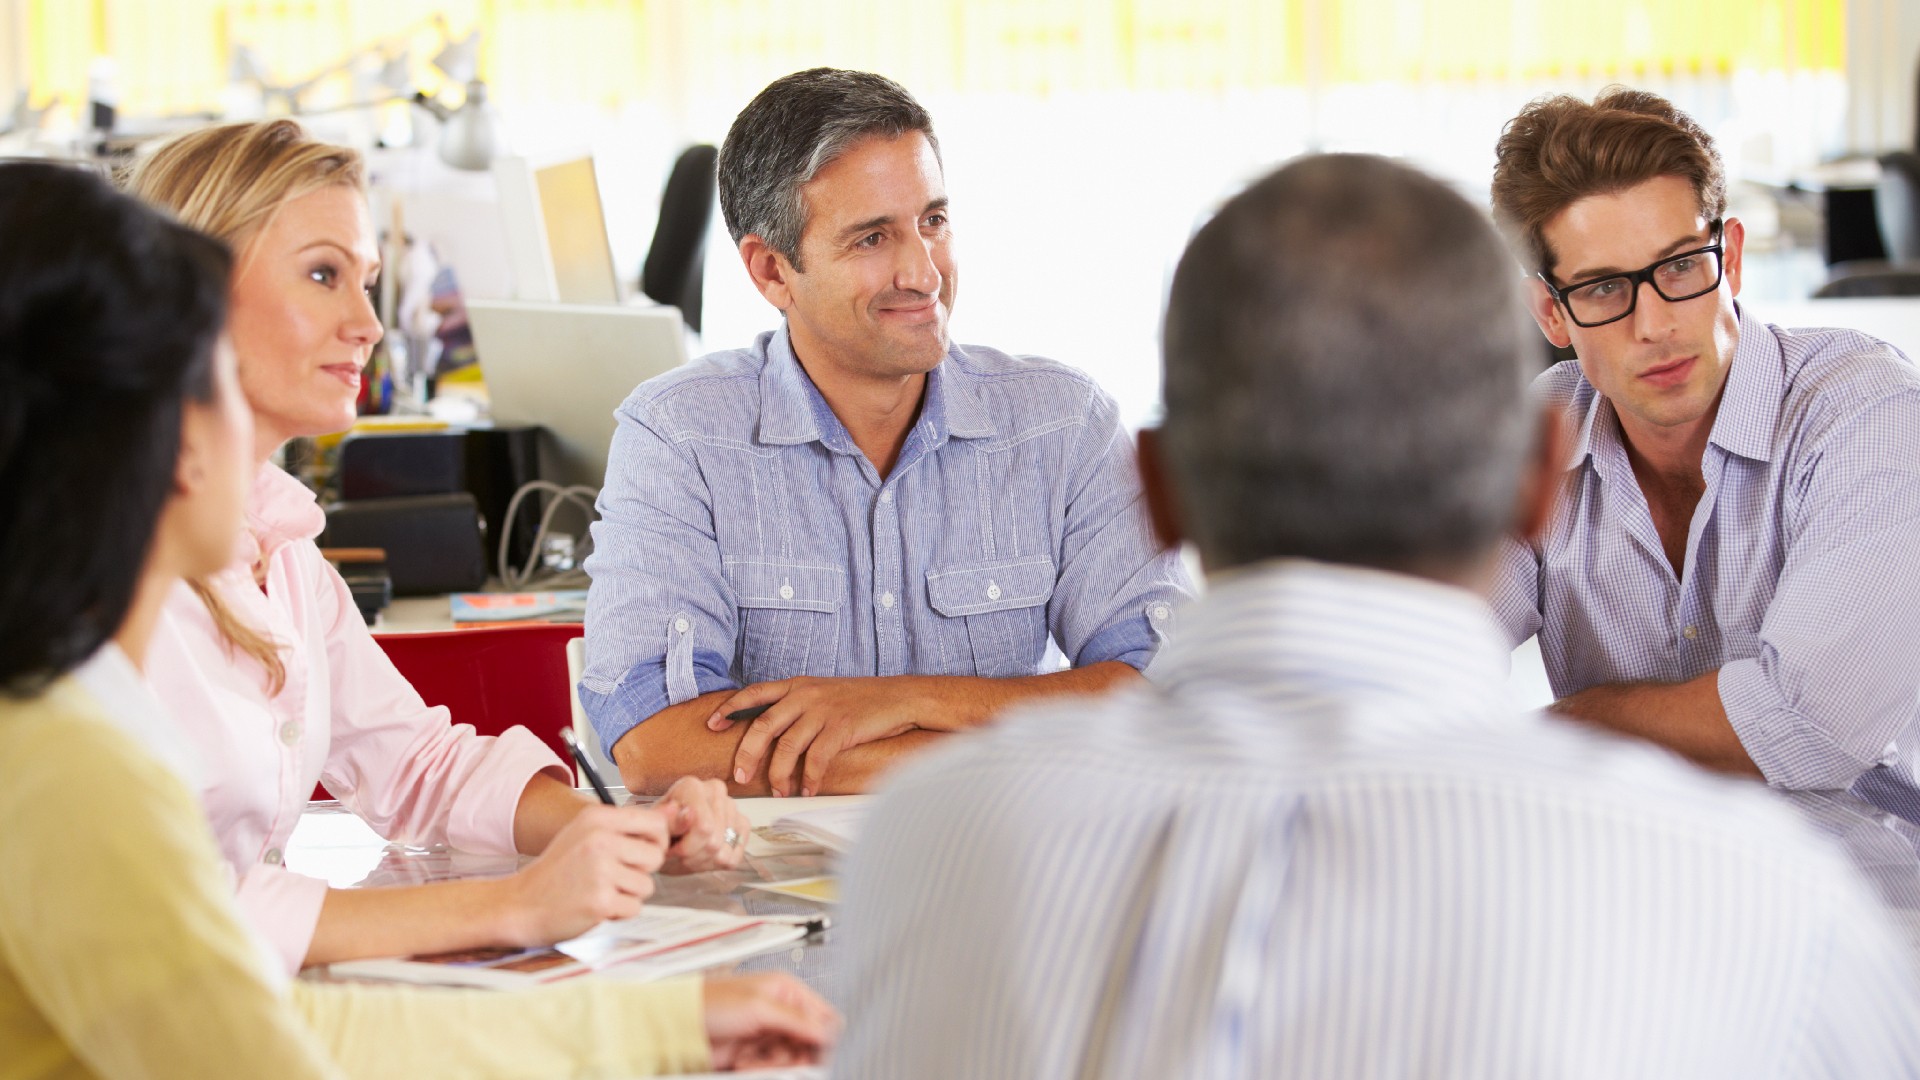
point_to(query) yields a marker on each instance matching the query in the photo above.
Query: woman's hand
(708, 830)
(767, 1021)
(599, 866)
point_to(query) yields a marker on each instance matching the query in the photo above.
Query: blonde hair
(230, 182)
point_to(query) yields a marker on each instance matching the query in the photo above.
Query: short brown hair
(1560, 150)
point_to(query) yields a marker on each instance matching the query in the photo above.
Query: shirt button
(681, 626)
(1158, 612)
(886, 600)
(272, 857)
(786, 592)
(290, 732)
(886, 497)
(1690, 633)
(993, 590)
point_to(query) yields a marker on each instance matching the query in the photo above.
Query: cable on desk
(577, 495)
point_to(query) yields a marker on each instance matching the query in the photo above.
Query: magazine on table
(833, 827)
(658, 943)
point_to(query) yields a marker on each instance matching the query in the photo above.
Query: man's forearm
(676, 742)
(960, 702)
(1686, 718)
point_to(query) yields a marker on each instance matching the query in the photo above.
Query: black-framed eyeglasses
(1599, 301)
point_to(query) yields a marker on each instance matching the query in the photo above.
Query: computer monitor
(556, 232)
(567, 367)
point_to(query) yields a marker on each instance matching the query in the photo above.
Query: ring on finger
(732, 837)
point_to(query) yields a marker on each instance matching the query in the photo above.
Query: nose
(362, 326)
(917, 271)
(1653, 316)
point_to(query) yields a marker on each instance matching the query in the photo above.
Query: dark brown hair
(1560, 150)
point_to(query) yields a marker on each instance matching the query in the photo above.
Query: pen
(748, 714)
(586, 767)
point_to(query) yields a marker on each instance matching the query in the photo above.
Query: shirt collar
(1749, 406)
(792, 409)
(280, 510)
(126, 701)
(1296, 630)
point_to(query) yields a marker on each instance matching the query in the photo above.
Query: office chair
(492, 677)
(582, 727)
(1896, 206)
(1896, 200)
(676, 262)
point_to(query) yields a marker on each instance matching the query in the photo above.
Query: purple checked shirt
(1801, 582)
(743, 537)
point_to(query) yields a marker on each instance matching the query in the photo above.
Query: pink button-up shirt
(345, 717)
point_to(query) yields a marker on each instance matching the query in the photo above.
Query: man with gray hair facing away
(854, 530)
(1321, 844)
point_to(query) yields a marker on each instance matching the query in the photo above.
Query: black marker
(749, 714)
(586, 767)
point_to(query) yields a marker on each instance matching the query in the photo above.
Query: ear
(1733, 238)
(190, 465)
(1540, 484)
(1159, 495)
(1547, 313)
(770, 271)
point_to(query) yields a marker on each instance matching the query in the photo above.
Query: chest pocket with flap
(1004, 605)
(789, 617)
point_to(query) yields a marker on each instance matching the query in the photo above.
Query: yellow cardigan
(121, 953)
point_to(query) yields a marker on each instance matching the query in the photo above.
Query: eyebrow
(886, 219)
(343, 249)
(1681, 244)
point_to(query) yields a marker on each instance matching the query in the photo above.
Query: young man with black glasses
(1734, 566)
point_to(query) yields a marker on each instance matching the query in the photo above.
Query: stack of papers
(834, 828)
(659, 943)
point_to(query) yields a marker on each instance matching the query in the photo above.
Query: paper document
(833, 827)
(658, 943)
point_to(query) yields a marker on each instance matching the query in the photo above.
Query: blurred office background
(1084, 139)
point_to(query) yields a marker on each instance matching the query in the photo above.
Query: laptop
(566, 368)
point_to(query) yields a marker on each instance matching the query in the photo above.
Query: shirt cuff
(481, 819)
(283, 908)
(1790, 751)
(643, 691)
(1130, 641)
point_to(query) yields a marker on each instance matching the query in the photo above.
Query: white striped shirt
(1322, 847)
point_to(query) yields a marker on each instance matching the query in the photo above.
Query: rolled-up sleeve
(1835, 681)
(660, 615)
(1117, 590)
(1516, 591)
(405, 768)
(283, 908)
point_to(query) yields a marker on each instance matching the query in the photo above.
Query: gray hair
(1346, 368)
(790, 131)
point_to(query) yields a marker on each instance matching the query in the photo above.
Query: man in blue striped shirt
(872, 534)
(1320, 844)
(1734, 566)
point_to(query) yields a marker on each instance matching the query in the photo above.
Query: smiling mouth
(346, 373)
(913, 313)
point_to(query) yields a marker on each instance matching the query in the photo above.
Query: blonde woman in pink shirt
(271, 670)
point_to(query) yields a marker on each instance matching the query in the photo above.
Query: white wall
(1883, 62)
(13, 53)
